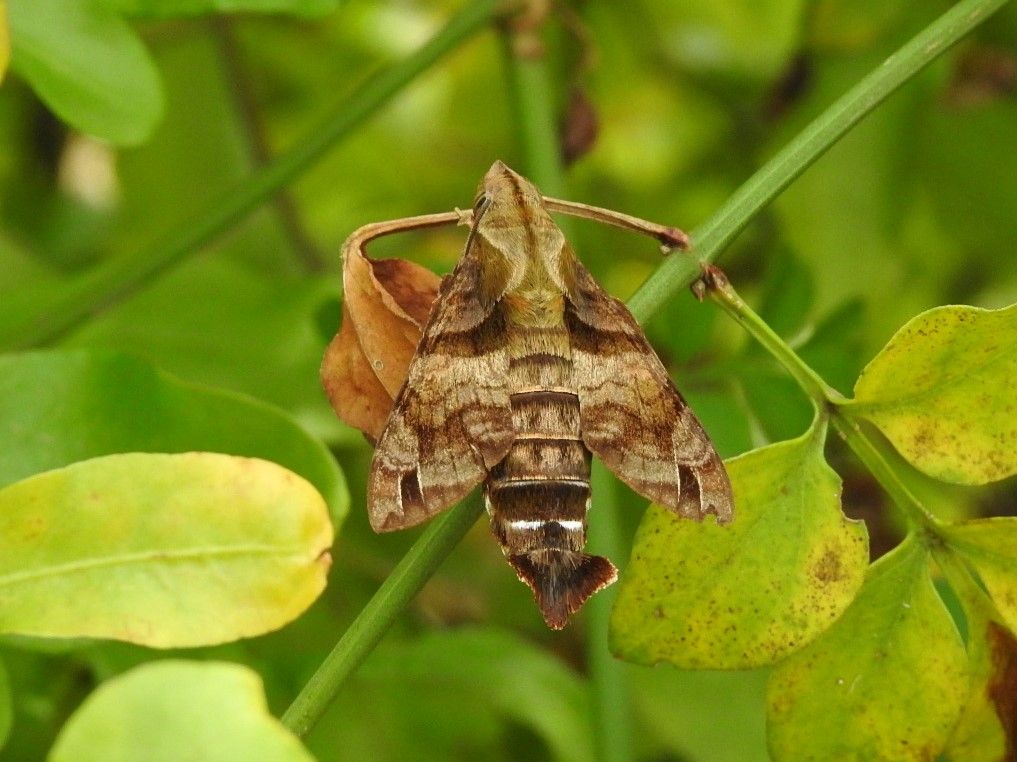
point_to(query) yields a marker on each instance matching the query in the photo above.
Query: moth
(525, 370)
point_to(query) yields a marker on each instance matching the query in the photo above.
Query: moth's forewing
(451, 421)
(631, 415)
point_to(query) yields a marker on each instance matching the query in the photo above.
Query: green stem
(367, 630)
(531, 89)
(117, 279)
(865, 450)
(710, 239)
(825, 397)
(811, 383)
(612, 719)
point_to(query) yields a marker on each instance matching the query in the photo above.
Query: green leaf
(88, 65)
(700, 595)
(444, 692)
(176, 8)
(161, 550)
(215, 322)
(887, 681)
(942, 391)
(175, 710)
(678, 709)
(990, 546)
(6, 706)
(60, 407)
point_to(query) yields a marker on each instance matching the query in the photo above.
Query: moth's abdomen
(539, 493)
(538, 496)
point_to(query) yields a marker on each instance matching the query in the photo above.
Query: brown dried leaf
(580, 127)
(387, 302)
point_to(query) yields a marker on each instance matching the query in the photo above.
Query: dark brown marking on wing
(688, 490)
(409, 490)
(538, 358)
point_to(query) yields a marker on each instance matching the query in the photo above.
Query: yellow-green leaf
(942, 390)
(980, 734)
(172, 710)
(162, 550)
(990, 545)
(700, 595)
(887, 681)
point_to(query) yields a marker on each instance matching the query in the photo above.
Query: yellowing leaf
(942, 390)
(699, 595)
(989, 717)
(161, 550)
(990, 545)
(887, 681)
(173, 710)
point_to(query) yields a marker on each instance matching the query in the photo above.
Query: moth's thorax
(521, 243)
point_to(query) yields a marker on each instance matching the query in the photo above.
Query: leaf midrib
(146, 556)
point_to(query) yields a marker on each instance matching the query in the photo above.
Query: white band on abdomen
(571, 525)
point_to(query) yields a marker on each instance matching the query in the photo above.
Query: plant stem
(114, 281)
(711, 238)
(612, 720)
(824, 396)
(252, 127)
(865, 450)
(367, 630)
(531, 89)
(723, 293)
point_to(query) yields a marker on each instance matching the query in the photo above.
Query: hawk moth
(526, 369)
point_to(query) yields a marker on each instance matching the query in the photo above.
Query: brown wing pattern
(451, 420)
(631, 415)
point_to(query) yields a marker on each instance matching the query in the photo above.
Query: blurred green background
(916, 207)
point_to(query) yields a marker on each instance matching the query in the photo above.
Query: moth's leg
(669, 237)
(361, 236)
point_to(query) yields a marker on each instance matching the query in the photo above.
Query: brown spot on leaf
(1002, 688)
(828, 569)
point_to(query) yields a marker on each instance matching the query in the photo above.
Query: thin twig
(117, 279)
(253, 127)
(711, 238)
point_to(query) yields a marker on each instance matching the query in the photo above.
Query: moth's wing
(452, 420)
(631, 415)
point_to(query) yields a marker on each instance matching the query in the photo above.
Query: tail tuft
(562, 580)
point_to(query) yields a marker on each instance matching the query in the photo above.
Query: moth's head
(507, 199)
(516, 238)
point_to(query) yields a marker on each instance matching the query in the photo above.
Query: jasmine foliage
(889, 679)
(172, 710)
(913, 208)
